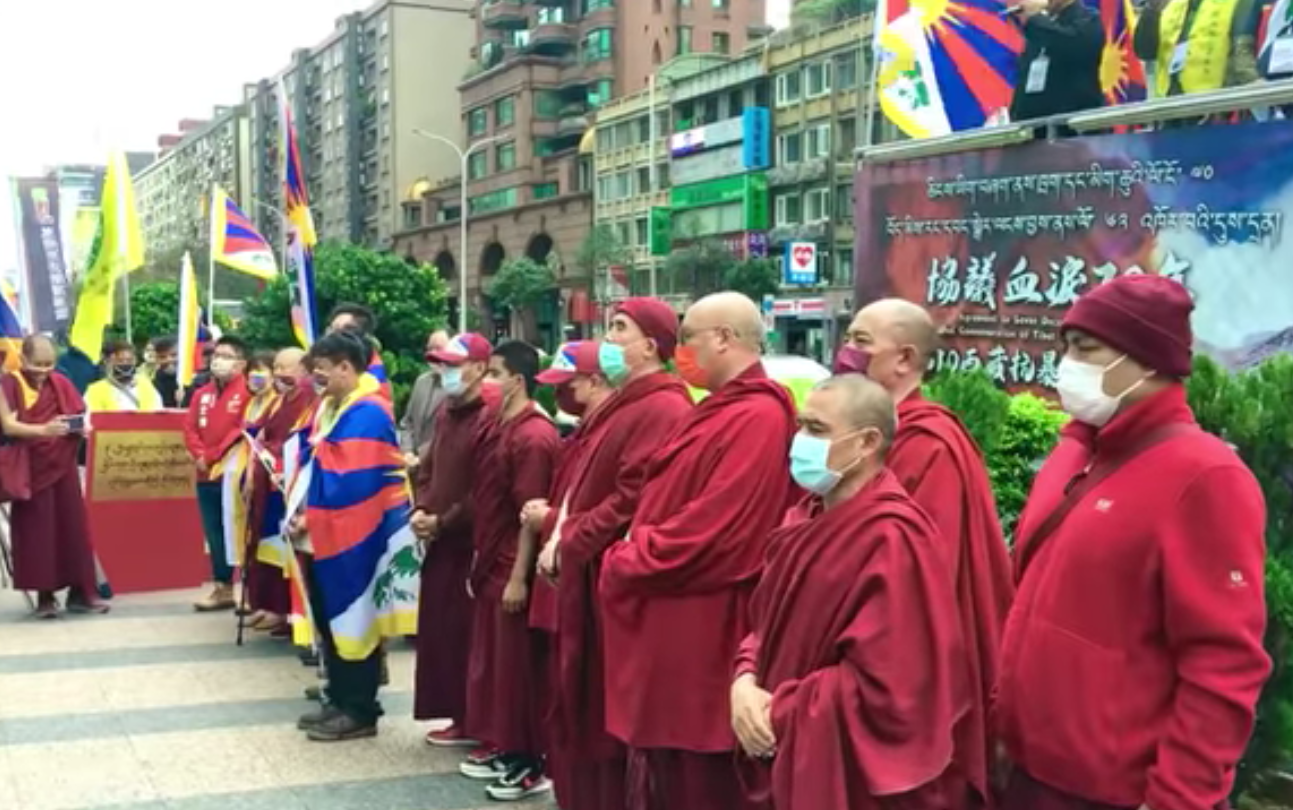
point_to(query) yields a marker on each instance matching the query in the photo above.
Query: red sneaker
(450, 737)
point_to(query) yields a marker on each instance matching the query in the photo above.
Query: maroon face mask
(851, 360)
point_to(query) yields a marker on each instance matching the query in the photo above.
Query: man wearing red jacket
(616, 439)
(1133, 658)
(675, 593)
(213, 425)
(936, 460)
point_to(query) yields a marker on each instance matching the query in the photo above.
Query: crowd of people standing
(739, 602)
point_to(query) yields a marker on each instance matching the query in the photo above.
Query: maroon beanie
(1144, 316)
(656, 319)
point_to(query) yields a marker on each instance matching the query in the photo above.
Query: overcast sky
(79, 78)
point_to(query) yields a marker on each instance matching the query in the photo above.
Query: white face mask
(1081, 389)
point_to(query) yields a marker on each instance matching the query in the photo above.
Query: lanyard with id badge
(1037, 71)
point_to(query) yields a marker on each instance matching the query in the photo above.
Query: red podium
(143, 510)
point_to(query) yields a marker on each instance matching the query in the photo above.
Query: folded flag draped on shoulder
(235, 242)
(945, 65)
(1279, 26)
(1122, 76)
(375, 380)
(301, 236)
(355, 491)
(118, 249)
(11, 334)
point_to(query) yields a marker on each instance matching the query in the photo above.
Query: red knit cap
(656, 319)
(1145, 316)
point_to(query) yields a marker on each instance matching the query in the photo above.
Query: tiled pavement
(152, 707)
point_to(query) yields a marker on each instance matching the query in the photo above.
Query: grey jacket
(417, 424)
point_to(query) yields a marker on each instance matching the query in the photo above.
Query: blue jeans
(211, 506)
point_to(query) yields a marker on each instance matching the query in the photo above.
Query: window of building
(477, 121)
(518, 39)
(709, 111)
(622, 232)
(817, 204)
(848, 140)
(761, 94)
(817, 79)
(602, 91)
(644, 180)
(735, 103)
(505, 157)
(386, 95)
(604, 188)
(545, 191)
(817, 141)
(493, 201)
(787, 88)
(843, 268)
(642, 232)
(644, 129)
(846, 71)
(684, 39)
(598, 44)
(721, 41)
(477, 166)
(786, 209)
(505, 111)
(551, 15)
(593, 5)
(844, 202)
(547, 104)
(623, 185)
(720, 4)
(684, 3)
(789, 148)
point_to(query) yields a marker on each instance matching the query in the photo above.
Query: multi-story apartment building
(819, 86)
(356, 99)
(171, 192)
(544, 67)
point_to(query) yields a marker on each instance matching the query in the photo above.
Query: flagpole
(873, 89)
(130, 330)
(211, 289)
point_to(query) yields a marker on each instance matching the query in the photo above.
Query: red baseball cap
(575, 357)
(468, 347)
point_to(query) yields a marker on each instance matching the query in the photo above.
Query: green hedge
(1252, 411)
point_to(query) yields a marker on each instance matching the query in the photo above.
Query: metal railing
(1253, 97)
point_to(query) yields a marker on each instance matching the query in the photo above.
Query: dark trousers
(352, 685)
(211, 507)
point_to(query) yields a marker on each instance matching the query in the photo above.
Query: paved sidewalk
(153, 706)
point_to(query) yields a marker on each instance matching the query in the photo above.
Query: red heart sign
(803, 255)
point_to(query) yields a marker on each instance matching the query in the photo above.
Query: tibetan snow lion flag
(945, 65)
(354, 490)
(235, 242)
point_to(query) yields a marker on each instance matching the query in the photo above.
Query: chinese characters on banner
(999, 243)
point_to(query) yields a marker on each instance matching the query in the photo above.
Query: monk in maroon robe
(675, 593)
(617, 439)
(269, 591)
(49, 530)
(851, 683)
(513, 466)
(443, 520)
(936, 460)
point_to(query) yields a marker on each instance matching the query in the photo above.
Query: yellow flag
(118, 248)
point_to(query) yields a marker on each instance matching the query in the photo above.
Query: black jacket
(1073, 40)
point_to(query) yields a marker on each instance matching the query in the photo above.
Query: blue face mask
(809, 463)
(611, 358)
(451, 379)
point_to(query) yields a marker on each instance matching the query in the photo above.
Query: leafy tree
(154, 312)
(754, 277)
(599, 250)
(519, 285)
(699, 269)
(830, 12)
(408, 299)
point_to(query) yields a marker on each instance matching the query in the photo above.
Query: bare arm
(16, 429)
(517, 592)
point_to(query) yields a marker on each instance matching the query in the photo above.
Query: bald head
(437, 341)
(721, 335)
(900, 337)
(852, 402)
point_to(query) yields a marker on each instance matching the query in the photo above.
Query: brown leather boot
(220, 598)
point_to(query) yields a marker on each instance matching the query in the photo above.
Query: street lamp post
(463, 157)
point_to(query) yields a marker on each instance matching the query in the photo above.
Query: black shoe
(317, 717)
(523, 780)
(341, 727)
